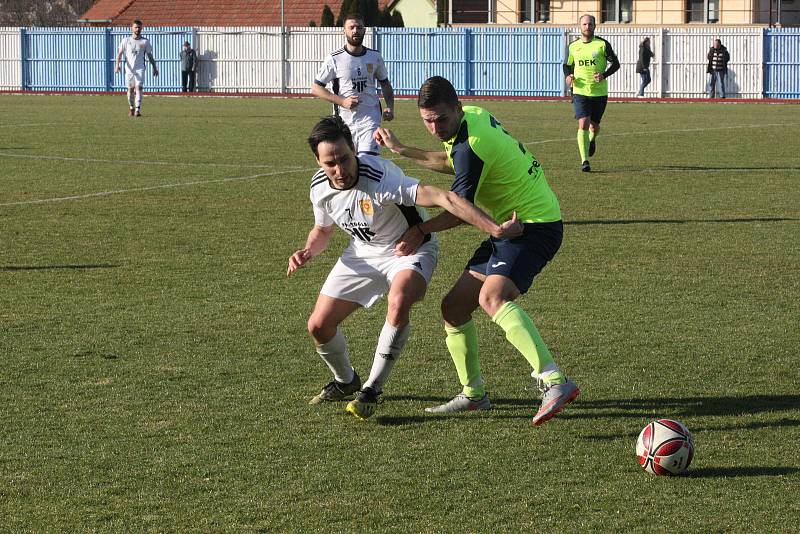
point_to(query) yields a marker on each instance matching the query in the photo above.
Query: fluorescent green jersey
(496, 171)
(586, 59)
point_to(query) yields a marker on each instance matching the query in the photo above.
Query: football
(665, 447)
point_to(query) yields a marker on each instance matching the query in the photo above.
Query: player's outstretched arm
(415, 235)
(468, 212)
(435, 161)
(317, 241)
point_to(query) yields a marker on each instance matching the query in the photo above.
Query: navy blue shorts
(589, 106)
(521, 258)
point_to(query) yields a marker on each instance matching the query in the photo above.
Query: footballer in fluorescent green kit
(590, 62)
(494, 170)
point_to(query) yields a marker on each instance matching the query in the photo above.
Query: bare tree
(42, 12)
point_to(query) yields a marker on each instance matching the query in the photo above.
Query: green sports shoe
(363, 406)
(336, 391)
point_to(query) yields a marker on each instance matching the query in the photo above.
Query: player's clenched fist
(351, 102)
(297, 260)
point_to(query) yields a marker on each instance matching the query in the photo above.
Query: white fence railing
(515, 61)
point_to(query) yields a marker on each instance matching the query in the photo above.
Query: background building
(646, 12)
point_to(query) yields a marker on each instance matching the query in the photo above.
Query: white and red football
(665, 447)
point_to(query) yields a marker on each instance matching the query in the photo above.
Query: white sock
(547, 370)
(138, 97)
(390, 345)
(334, 354)
(130, 99)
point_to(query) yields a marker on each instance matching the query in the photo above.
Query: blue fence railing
(781, 62)
(480, 61)
(83, 59)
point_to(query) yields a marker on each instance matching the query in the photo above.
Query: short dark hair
(436, 90)
(139, 22)
(353, 16)
(330, 129)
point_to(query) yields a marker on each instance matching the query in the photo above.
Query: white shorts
(365, 142)
(134, 78)
(365, 280)
(363, 126)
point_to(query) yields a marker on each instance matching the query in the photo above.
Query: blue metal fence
(512, 61)
(83, 59)
(782, 63)
(478, 61)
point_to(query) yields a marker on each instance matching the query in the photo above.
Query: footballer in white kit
(135, 49)
(376, 211)
(353, 71)
(371, 199)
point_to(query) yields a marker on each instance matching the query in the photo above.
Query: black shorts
(589, 106)
(521, 258)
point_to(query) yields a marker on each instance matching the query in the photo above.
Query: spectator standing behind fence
(718, 58)
(643, 65)
(188, 68)
(354, 69)
(134, 48)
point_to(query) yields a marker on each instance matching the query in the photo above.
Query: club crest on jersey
(366, 206)
(370, 68)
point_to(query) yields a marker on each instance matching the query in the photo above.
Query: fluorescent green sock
(591, 135)
(583, 144)
(522, 333)
(462, 342)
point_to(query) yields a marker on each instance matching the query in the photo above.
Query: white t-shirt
(376, 211)
(355, 75)
(135, 51)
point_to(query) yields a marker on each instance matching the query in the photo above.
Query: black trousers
(188, 79)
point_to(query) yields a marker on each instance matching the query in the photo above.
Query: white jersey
(376, 211)
(355, 75)
(134, 52)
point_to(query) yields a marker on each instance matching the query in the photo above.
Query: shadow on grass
(714, 168)
(692, 168)
(691, 406)
(733, 472)
(695, 428)
(683, 221)
(57, 267)
(637, 408)
(678, 408)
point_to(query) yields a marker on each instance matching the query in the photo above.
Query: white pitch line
(289, 171)
(152, 188)
(30, 124)
(131, 162)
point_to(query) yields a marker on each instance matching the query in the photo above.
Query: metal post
(283, 51)
(661, 63)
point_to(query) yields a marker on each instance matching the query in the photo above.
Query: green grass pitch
(156, 368)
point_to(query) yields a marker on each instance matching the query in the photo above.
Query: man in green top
(494, 170)
(591, 61)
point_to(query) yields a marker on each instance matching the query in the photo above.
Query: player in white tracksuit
(135, 49)
(375, 202)
(353, 70)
